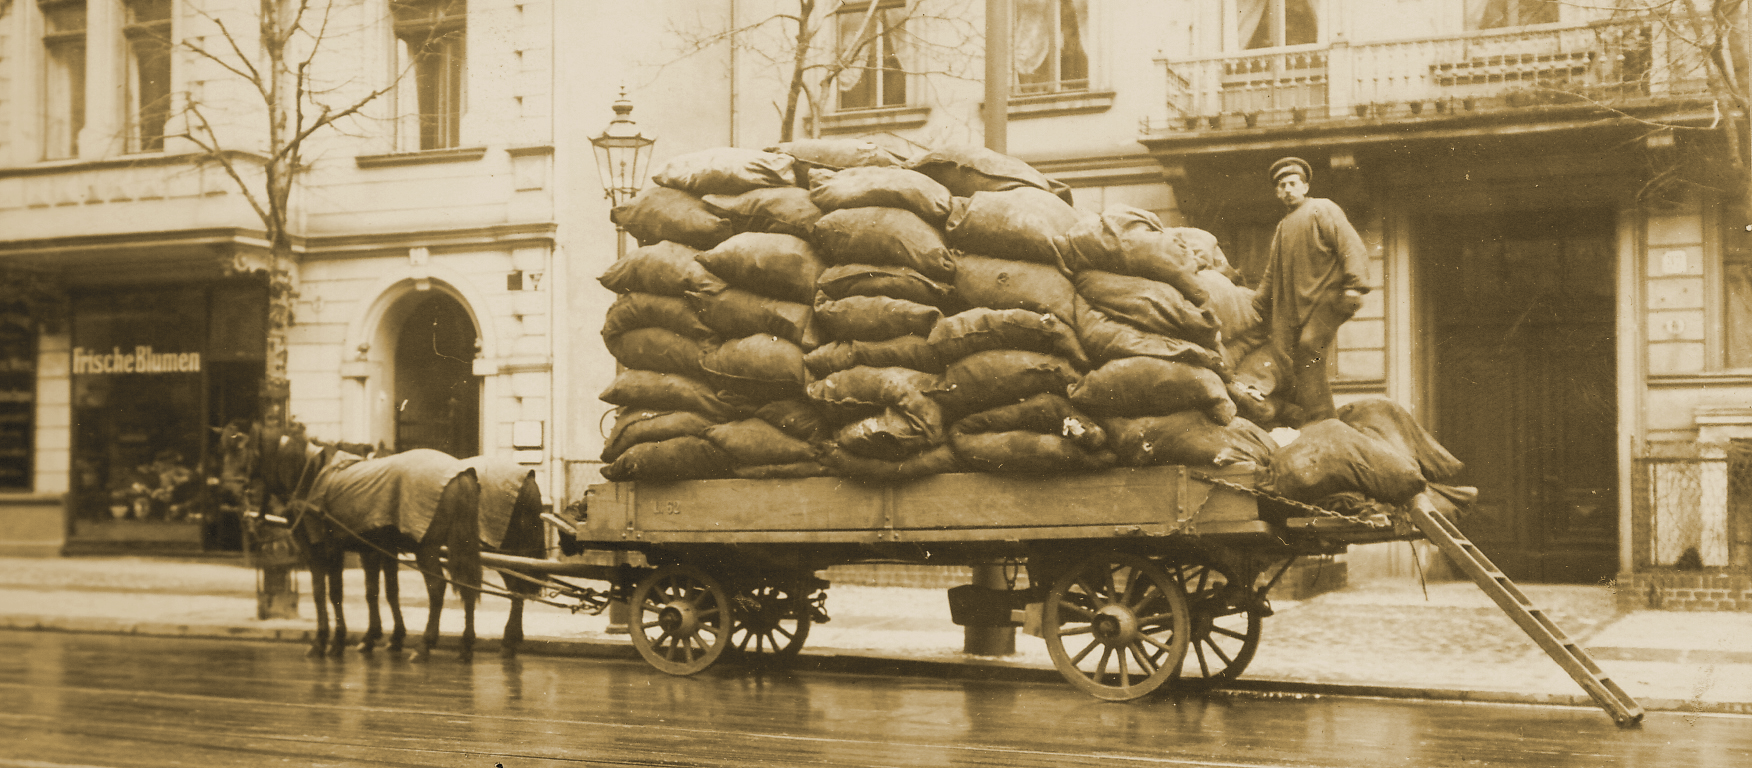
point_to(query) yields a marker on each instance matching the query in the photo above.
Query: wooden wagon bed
(1131, 567)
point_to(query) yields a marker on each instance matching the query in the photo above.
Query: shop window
(17, 396)
(1049, 46)
(63, 77)
(148, 88)
(433, 36)
(1275, 23)
(1497, 14)
(153, 370)
(873, 38)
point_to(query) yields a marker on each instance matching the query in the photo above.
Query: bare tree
(280, 66)
(825, 45)
(1679, 49)
(1707, 41)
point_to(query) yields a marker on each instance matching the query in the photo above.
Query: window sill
(1065, 103)
(1707, 379)
(869, 120)
(422, 157)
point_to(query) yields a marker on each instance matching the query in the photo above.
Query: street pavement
(1443, 640)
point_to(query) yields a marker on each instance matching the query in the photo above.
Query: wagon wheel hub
(679, 619)
(1115, 625)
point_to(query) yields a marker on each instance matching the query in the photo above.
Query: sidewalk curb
(868, 663)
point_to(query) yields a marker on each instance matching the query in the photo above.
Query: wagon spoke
(1078, 630)
(1090, 593)
(1229, 632)
(1101, 666)
(1219, 652)
(1144, 663)
(1076, 609)
(1142, 597)
(1204, 667)
(1158, 618)
(1083, 654)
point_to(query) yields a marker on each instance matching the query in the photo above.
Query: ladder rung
(1545, 633)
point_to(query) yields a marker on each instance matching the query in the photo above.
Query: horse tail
(458, 515)
(524, 532)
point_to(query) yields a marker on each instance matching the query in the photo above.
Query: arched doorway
(437, 395)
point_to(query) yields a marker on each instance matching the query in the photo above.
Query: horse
(422, 501)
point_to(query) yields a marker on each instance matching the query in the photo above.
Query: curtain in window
(1251, 14)
(63, 78)
(881, 55)
(64, 100)
(1041, 31)
(849, 24)
(1301, 23)
(1496, 14)
(1035, 33)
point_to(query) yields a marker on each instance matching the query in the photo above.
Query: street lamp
(623, 157)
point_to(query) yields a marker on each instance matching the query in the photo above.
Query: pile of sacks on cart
(829, 308)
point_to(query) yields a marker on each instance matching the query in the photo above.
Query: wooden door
(438, 397)
(1524, 385)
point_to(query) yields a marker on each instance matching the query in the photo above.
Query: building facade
(1559, 260)
(133, 143)
(1561, 282)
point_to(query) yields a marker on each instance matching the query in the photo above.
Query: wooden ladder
(1624, 710)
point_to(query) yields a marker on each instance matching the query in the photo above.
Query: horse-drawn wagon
(1145, 577)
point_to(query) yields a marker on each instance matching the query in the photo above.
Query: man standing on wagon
(1314, 281)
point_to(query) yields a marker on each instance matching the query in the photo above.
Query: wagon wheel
(1225, 617)
(1134, 616)
(769, 621)
(679, 619)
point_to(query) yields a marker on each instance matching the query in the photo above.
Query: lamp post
(623, 156)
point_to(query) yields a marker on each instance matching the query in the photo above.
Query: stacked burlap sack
(888, 284)
(1011, 355)
(1152, 307)
(712, 323)
(1372, 457)
(828, 308)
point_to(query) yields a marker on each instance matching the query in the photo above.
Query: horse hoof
(420, 657)
(508, 651)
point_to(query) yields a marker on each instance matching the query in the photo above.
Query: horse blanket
(402, 491)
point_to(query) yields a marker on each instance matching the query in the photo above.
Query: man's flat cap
(1291, 165)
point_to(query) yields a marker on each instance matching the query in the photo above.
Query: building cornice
(1105, 170)
(238, 238)
(1525, 121)
(148, 160)
(541, 233)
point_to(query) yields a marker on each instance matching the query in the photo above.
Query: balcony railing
(1607, 61)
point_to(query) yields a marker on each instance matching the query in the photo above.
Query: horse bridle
(303, 473)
